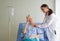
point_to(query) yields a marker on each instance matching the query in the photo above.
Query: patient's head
(29, 19)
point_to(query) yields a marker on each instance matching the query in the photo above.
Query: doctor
(49, 22)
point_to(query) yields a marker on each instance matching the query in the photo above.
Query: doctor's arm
(45, 24)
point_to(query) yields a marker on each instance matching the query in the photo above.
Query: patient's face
(30, 19)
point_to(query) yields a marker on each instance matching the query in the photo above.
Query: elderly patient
(31, 33)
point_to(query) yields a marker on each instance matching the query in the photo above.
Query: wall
(58, 19)
(4, 19)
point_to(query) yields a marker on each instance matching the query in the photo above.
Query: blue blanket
(28, 39)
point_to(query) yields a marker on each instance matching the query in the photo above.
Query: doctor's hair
(50, 10)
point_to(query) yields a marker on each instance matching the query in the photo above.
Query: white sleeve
(47, 22)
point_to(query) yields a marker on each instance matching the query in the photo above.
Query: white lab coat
(49, 25)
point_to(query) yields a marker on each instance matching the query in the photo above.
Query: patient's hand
(35, 36)
(38, 35)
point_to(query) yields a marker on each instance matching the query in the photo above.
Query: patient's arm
(24, 29)
(35, 36)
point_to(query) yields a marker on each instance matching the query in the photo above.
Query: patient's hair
(50, 10)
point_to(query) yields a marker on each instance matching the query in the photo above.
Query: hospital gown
(30, 31)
